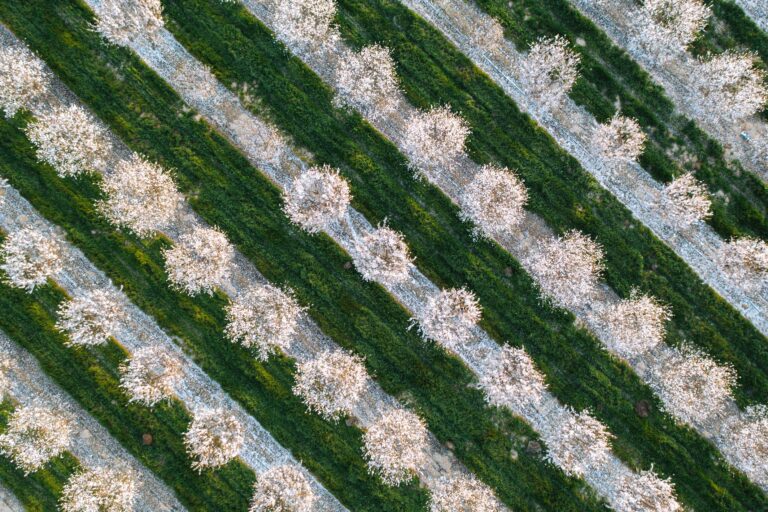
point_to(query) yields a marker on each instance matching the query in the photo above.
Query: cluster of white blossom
(303, 24)
(731, 86)
(449, 316)
(667, 27)
(685, 201)
(30, 256)
(645, 492)
(264, 318)
(395, 446)
(579, 444)
(282, 489)
(382, 256)
(200, 261)
(692, 386)
(92, 318)
(213, 438)
(635, 325)
(23, 79)
(366, 81)
(7, 364)
(70, 140)
(35, 434)
(620, 139)
(512, 380)
(462, 494)
(494, 201)
(745, 261)
(433, 140)
(747, 438)
(331, 384)
(151, 375)
(317, 198)
(550, 69)
(121, 22)
(99, 490)
(141, 196)
(567, 269)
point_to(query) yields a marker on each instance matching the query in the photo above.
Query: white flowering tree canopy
(382, 256)
(685, 201)
(567, 269)
(669, 26)
(99, 490)
(462, 494)
(331, 384)
(282, 489)
(214, 437)
(30, 256)
(731, 85)
(7, 365)
(748, 437)
(264, 318)
(70, 140)
(693, 387)
(23, 79)
(36, 433)
(620, 139)
(200, 261)
(303, 24)
(367, 81)
(141, 196)
(550, 69)
(121, 22)
(745, 261)
(433, 140)
(92, 318)
(395, 446)
(635, 325)
(513, 380)
(579, 444)
(646, 492)
(494, 201)
(317, 198)
(449, 316)
(151, 375)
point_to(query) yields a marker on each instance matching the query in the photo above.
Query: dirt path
(757, 10)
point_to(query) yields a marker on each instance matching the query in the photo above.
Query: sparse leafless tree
(92, 318)
(282, 489)
(635, 325)
(448, 317)
(366, 81)
(265, 318)
(317, 198)
(151, 375)
(433, 141)
(462, 494)
(30, 256)
(685, 201)
(494, 201)
(382, 256)
(395, 446)
(200, 261)
(331, 384)
(731, 86)
(36, 433)
(99, 490)
(579, 444)
(70, 140)
(621, 139)
(550, 69)
(214, 437)
(512, 380)
(23, 79)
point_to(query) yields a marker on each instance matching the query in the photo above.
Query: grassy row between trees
(228, 192)
(39, 491)
(578, 371)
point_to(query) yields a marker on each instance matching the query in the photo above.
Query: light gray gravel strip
(757, 10)
(9, 502)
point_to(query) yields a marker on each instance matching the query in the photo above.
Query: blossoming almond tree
(395, 446)
(121, 22)
(366, 81)
(667, 27)
(621, 139)
(200, 261)
(512, 379)
(141, 196)
(749, 438)
(382, 256)
(282, 489)
(433, 140)
(646, 492)
(550, 69)
(745, 261)
(331, 384)
(448, 317)
(264, 318)
(494, 201)
(214, 438)
(99, 490)
(303, 24)
(92, 318)
(23, 79)
(731, 86)
(635, 325)
(317, 198)
(580, 443)
(462, 494)
(30, 256)
(151, 375)
(35, 434)
(684, 202)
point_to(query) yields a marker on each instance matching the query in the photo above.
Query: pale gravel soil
(9, 502)
(572, 127)
(757, 10)
(91, 443)
(532, 234)
(261, 451)
(223, 110)
(617, 21)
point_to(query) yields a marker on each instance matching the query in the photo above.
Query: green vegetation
(39, 491)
